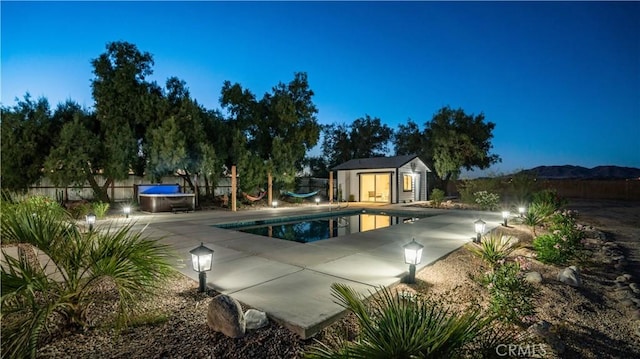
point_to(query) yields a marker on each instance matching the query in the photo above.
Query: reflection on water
(323, 228)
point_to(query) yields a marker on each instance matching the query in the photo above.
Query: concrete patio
(291, 281)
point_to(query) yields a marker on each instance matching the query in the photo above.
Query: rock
(621, 279)
(627, 275)
(542, 329)
(533, 277)
(636, 325)
(635, 314)
(255, 319)
(634, 287)
(617, 258)
(570, 276)
(509, 240)
(224, 315)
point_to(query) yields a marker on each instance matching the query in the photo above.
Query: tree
(452, 140)
(28, 132)
(279, 130)
(125, 105)
(365, 137)
(76, 157)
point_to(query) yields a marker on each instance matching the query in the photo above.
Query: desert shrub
(100, 209)
(33, 302)
(437, 197)
(522, 185)
(487, 200)
(511, 295)
(394, 326)
(550, 197)
(468, 188)
(493, 249)
(562, 242)
(80, 210)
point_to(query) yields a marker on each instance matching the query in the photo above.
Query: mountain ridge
(579, 172)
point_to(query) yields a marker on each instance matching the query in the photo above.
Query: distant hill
(578, 172)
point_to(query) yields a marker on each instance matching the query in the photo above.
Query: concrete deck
(291, 281)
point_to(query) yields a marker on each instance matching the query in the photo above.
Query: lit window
(407, 183)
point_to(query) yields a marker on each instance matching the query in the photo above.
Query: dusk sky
(561, 80)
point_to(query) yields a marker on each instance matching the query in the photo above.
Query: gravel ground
(591, 321)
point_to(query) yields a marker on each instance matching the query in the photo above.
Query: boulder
(224, 315)
(255, 319)
(570, 276)
(533, 277)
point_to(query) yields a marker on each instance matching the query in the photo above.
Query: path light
(127, 211)
(412, 256)
(479, 227)
(274, 204)
(202, 259)
(317, 201)
(505, 217)
(91, 220)
(522, 210)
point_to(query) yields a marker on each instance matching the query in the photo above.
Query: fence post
(234, 188)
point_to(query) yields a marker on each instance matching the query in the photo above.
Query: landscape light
(91, 220)
(505, 217)
(479, 226)
(274, 204)
(522, 210)
(412, 256)
(201, 260)
(317, 201)
(127, 211)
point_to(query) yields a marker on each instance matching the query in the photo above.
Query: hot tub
(164, 198)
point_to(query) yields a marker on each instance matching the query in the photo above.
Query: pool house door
(375, 187)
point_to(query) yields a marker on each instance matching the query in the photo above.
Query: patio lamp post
(479, 226)
(201, 260)
(274, 204)
(412, 256)
(127, 211)
(317, 201)
(505, 218)
(91, 220)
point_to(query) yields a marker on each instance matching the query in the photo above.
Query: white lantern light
(127, 211)
(201, 261)
(522, 210)
(412, 256)
(91, 220)
(505, 217)
(479, 226)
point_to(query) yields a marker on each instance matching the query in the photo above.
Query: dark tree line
(151, 130)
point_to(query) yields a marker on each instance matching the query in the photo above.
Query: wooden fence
(628, 190)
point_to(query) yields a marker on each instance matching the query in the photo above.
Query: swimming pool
(305, 229)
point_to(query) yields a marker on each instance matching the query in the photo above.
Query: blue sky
(561, 80)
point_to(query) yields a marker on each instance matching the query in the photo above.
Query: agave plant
(396, 327)
(34, 299)
(493, 249)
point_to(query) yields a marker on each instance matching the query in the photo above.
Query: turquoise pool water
(307, 229)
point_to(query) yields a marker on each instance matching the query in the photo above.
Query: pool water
(319, 228)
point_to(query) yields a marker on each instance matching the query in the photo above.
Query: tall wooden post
(330, 187)
(269, 190)
(234, 188)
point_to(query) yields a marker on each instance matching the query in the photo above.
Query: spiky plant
(493, 249)
(394, 326)
(34, 299)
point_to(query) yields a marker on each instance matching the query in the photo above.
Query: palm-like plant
(493, 249)
(34, 300)
(537, 214)
(397, 327)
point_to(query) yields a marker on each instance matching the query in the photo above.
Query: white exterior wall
(349, 181)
